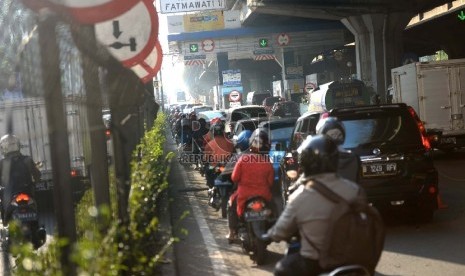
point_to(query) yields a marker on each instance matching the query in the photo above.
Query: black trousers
(296, 265)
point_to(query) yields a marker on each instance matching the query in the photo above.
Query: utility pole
(58, 138)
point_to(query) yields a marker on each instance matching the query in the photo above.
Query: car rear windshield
(247, 113)
(380, 128)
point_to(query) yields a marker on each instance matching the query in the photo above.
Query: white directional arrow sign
(132, 36)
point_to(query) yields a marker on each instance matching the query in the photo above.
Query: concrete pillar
(378, 46)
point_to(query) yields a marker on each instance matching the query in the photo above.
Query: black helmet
(259, 141)
(217, 128)
(202, 121)
(332, 127)
(318, 154)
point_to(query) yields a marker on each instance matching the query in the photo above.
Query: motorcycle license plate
(25, 216)
(253, 216)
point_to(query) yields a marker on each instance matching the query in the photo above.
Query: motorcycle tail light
(256, 206)
(21, 199)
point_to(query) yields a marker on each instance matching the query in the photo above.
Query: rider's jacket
(18, 173)
(218, 150)
(254, 175)
(307, 212)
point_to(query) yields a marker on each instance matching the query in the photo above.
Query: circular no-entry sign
(208, 45)
(85, 11)
(234, 96)
(309, 86)
(149, 67)
(283, 39)
(132, 36)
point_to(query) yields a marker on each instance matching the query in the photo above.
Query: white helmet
(9, 143)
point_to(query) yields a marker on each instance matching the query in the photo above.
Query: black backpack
(355, 234)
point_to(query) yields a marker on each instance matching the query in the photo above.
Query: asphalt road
(434, 248)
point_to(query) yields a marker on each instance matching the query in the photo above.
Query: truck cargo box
(436, 91)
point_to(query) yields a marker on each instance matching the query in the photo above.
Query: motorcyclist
(253, 174)
(198, 137)
(217, 150)
(241, 146)
(349, 162)
(307, 213)
(18, 173)
(348, 165)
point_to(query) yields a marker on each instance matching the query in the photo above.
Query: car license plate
(448, 140)
(28, 216)
(252, 216)
(379, 169)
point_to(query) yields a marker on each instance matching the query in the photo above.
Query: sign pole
(99, 161)
(58, 137)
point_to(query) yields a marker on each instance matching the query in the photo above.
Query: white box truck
(29, 124)
(436, 90)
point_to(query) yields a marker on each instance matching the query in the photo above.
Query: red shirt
(254, 176)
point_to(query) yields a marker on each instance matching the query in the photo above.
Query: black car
(246, 124)
(397, 168)
(286, 109)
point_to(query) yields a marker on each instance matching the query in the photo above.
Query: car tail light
(75, 173)
(324, 115)
(421, 127)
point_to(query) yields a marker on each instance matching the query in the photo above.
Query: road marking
(219, 267)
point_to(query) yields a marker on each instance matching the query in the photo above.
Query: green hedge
(133, 250)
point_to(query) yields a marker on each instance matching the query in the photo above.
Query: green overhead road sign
(193, 48)
(263, 42)
(461, 16)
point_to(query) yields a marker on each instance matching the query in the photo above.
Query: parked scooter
(257, 219)
(23, 209)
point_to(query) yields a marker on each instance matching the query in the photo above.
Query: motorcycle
(222, 190)
(255, 222)
(345, 270)
(214, 196)
(23, 209)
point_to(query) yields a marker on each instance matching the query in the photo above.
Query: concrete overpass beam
(378, 46)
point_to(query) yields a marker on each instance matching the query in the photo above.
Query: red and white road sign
(85, 11)
(148, 68)
(234, 96)
(132, 36)
(208, 45)
(283, 39)
(309, 86)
